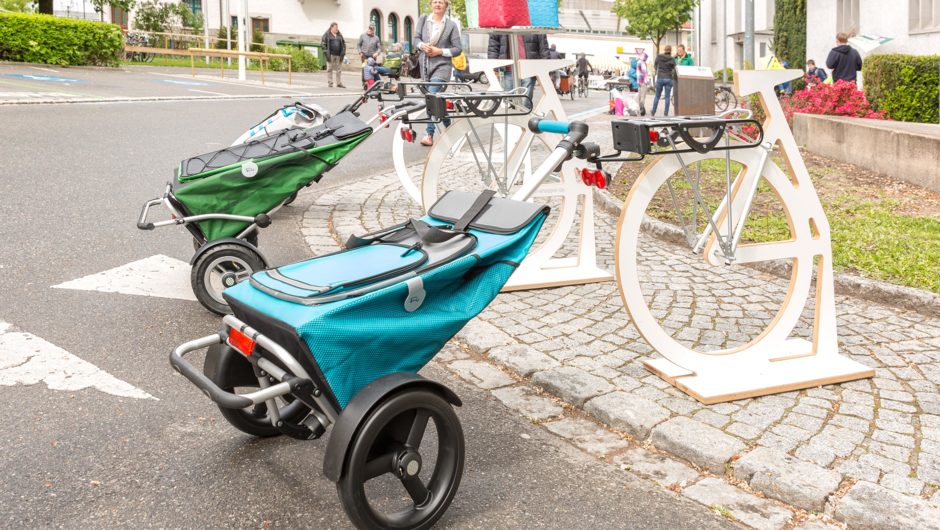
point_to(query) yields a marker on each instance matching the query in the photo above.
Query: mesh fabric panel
(358, 340)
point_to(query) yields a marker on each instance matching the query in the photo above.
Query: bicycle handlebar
(539, 125)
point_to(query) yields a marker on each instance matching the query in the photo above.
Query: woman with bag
(437, 40)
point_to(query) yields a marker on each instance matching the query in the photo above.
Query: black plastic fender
(228, 241)
(227, 368)
(334, 461)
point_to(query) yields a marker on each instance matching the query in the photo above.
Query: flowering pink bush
(841, 98)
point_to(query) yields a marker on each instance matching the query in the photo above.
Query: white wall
(309, 19)
(711, 53)
(874, 19)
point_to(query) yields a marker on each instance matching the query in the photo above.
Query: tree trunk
(45, 6)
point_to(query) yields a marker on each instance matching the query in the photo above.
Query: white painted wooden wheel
(644, 291)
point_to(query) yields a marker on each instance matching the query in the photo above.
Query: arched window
(408, 35)
(375, 18)
(392, 28)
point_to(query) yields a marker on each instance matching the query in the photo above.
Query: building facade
(720, 33)
(914, 25)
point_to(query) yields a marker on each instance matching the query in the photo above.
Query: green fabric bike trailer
(392, 299)
(256, 177)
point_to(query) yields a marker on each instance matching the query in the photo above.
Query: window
(120, 17)
(375, 18)
(847, 16)
(924, 16)
(195, 6)
(259, 24)
(763, 49)
(408, 36)
(393, 28)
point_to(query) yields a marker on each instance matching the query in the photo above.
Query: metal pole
(749, 34)
(514, 50)
(228, 30)
(205, 26)
(242, 38)
(724, 41)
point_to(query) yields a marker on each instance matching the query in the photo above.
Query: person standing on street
(436, 40)
(368, 45)
(844, 61)
(530, 47)
(334, 47)
(643, 80)
(665, 66)
(683, 58)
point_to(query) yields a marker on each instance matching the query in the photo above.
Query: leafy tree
(790, 32)
(652, 19)
(187, 18)
(17, 6)
(458, 10)
(153, 16)
(99, 5)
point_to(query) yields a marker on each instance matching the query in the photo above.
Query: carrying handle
(700, 147)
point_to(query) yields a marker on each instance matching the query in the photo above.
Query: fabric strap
(474, 211)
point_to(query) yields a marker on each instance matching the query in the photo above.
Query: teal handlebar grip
(538, 125)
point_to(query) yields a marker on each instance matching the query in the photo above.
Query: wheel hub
(229, 279)
(409, 463)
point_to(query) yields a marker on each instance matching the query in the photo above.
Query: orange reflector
(241, 342)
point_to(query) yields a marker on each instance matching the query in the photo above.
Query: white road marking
(44, 69)
(26, 359)
(159, 276)
(234, 82)
(207, 92)
(38, 95)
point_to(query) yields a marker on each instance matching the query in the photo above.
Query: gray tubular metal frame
(268, 391)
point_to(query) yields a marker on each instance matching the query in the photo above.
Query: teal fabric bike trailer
(392, 299)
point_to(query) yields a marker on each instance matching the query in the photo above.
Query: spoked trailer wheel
(404, 464)
(221, 267)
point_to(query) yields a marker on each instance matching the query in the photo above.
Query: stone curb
(759, 488)
(909, 298)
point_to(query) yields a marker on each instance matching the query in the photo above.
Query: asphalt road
(76, 176)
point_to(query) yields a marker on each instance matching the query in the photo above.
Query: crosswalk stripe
(26, 359)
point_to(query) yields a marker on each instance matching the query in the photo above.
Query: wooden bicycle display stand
(774, 361)
(541, 268)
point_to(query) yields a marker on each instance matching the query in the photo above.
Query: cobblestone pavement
(864, 453)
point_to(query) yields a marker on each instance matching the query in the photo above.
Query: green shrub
(301, 60)
(719, 74)
(257, 41)
(222, 38)
(904, 86)
(52, 40)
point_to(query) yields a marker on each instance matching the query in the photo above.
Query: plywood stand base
(770, 378)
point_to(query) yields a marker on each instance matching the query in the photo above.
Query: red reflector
(600, 179)
(241, 342)
(449, 104)
(587, 177)
(654, 136)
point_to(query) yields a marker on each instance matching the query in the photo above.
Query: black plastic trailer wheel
(404, 464)
(251, 420)
(219, 268)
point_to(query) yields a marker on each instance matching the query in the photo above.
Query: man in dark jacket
(532, 47)
(334, 48)
(844, 61)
